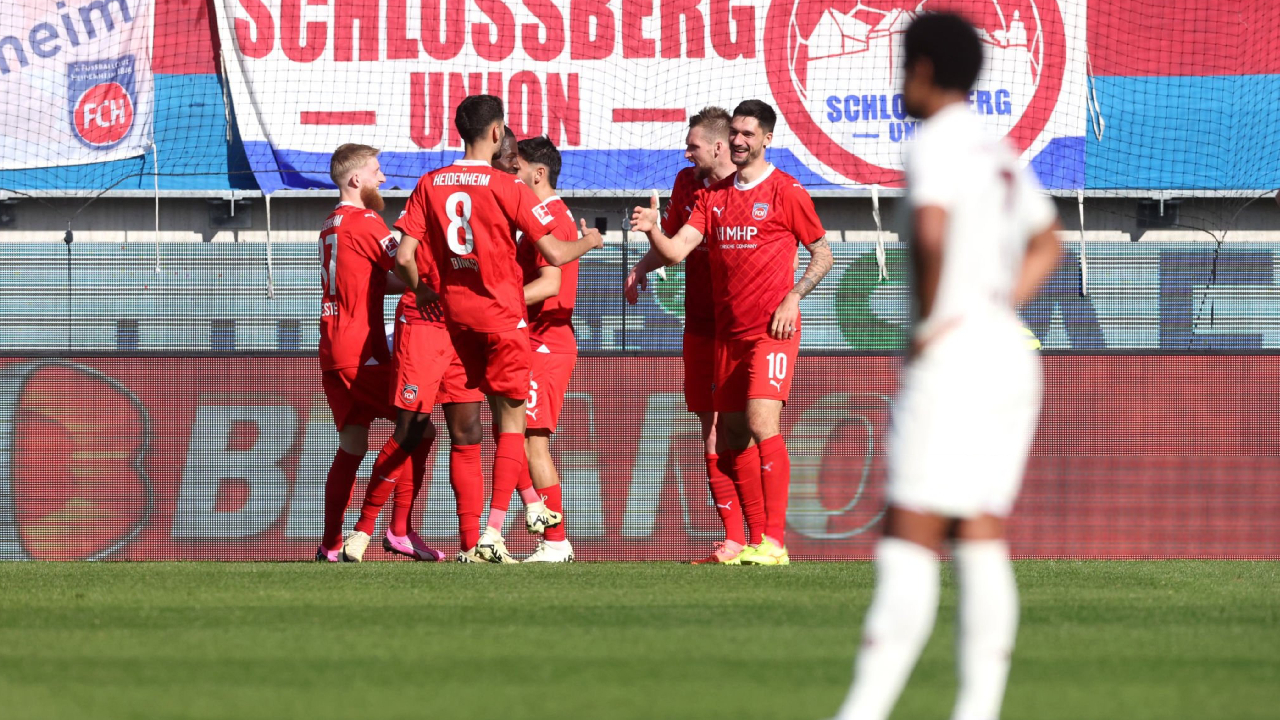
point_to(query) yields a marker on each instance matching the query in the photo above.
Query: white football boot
(353, 549)
(537, 518)
(552, 551)
(492, 548)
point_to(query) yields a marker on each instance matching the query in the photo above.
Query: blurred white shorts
(963, 423)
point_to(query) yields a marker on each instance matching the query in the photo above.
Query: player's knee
(466, 433)
(354, 440)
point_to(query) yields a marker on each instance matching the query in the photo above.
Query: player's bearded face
(700, 151)
(371, 199)
(746, 141)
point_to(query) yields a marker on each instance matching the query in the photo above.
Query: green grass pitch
(1125, 640)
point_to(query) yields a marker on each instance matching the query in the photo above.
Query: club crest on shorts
(760, 211)
(409, 393)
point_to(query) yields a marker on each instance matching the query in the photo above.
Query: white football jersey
(993, 204)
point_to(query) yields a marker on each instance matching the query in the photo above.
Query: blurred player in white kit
(982, 241)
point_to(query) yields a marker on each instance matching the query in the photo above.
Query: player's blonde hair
(347, 158)
(713, 120)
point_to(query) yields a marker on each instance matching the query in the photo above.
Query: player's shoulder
(785, 185)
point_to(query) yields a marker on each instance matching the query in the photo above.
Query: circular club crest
(103, 115)
(835, 70)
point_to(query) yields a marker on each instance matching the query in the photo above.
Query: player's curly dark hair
(950, 44)
(762, 111)
(541, 151)
(475, 115)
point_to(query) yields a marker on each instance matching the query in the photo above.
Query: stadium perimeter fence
(161, 400)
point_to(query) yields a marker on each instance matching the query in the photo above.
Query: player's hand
(425, 297)
(636, 281)
(591, 234)
(645, 219)
(786, 318)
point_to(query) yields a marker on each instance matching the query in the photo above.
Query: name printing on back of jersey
(332, 222)
(461, 178)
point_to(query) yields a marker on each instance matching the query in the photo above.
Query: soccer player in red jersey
(707, 147)
(428, 371)
(466, 216)
(754, 220)
(549, 292)
(356, 252)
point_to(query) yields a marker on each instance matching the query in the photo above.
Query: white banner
(76, 79)
(617, 79)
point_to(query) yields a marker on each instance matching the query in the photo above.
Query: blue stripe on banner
(191, 138)
(582, 169)
(1202, 133)
(1059, 165)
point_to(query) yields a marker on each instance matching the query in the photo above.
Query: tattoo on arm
(820, 262)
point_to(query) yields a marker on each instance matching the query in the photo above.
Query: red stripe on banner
(226, 458)
(628, 115)
(351, 117)
(1139, 38)
(186, 38)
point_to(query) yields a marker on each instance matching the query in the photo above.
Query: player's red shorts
(496, 363)
(699, 371)
(753, 367)
(550, 382)
(428, 370)
(358, 395)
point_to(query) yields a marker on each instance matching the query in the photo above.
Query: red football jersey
(466, 216)
(753, 230)
(699, 309)
(551, 321)
(356, 251)
(407, 309)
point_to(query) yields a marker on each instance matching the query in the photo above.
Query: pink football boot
(412, 546)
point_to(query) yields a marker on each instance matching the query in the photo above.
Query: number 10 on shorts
(777, 365)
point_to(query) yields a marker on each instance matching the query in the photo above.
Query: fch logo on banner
(836, 74)
(102, 97)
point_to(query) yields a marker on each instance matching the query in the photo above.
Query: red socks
(746, 476)
(509, 463)
(467, 478)
(725, 495)
(390, 466)
(405, 498)
(775, 467)
(555, 503)
(337, 495)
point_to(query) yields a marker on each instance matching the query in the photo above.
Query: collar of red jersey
(737, 181)
(347, 203)
(471, 163)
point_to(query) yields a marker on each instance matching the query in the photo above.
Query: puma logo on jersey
(726, 506)
(767, 467)
(533, 415)
(776, 384)
(717, 211)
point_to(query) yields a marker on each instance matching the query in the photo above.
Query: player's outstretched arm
(559, 252)
(671, 250)
(1043, 253)
(787, 316)
(546, 285)
(638, 278)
